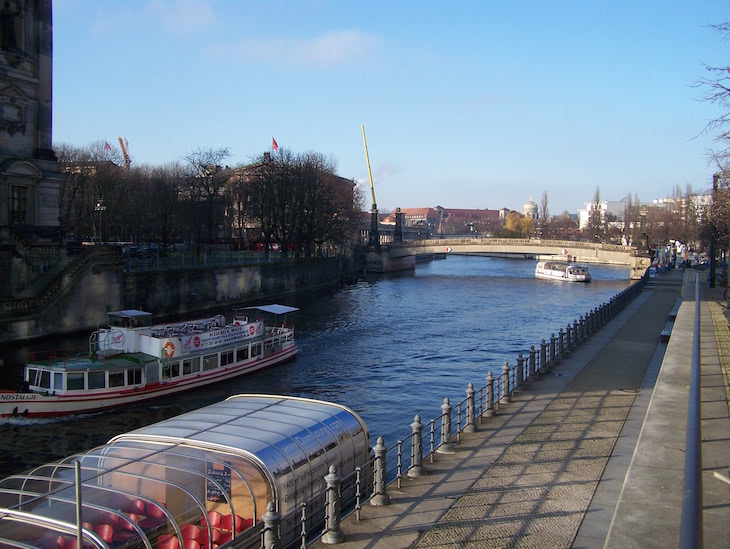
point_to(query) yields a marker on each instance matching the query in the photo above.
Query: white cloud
(328, 49)
(183, 15)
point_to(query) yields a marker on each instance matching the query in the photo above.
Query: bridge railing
(513, 242)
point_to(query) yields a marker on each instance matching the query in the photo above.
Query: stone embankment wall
(82, 301)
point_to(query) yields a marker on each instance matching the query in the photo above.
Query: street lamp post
(100, 208)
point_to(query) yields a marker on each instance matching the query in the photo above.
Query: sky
(465, 104)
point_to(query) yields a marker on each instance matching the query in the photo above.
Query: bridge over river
(396, 256)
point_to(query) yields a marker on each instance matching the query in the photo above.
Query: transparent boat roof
(219, 465)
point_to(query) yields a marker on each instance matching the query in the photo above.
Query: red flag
(107, 146)
(274, 144)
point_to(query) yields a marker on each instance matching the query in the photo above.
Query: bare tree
(544, 213)
(716, 88)
(595, 218)
(205, 194)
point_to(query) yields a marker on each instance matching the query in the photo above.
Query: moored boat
(205, 479)
(561, 270)
(133, 361)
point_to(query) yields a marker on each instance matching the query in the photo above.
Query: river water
(389, 347)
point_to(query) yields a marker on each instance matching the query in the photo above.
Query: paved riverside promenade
(589, 455)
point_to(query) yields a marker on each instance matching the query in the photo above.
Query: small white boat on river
(561, 270)
(133, 361)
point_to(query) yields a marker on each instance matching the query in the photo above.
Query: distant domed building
(530, 209)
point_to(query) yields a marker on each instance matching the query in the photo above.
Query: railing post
(489, 412)
(506, 395)
(561, 343)
(533, 372)
(553, 358)
(380, 497)
(576, 333)
(416, 469)
(471, 423)
(445, 446)
(543, 357)
(333, 533)
(568, 341)
(522, 374)
(272, 520)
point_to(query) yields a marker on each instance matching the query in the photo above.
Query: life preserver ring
(169, 349)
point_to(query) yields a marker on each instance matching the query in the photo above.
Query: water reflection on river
(388, 347)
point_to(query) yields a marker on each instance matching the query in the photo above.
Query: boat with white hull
(561, 270)
(132, 361)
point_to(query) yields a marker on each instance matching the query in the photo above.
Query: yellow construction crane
(124, 144)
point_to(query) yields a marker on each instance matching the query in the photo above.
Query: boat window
(74, 381)
(116, 379)
(97, 380)
(242, 353)
(210, 362)
(226, 357)
(255, 350)
(57, 380)
(191, 366)
(171, 369)
(32, 373)
(45, 380)
(134, 376)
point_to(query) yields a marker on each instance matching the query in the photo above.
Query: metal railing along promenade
(190, 260)
(690, 531)
(410, 457)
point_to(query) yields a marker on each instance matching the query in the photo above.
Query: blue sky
(472, 104)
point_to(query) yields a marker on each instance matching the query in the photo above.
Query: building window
(18, 204)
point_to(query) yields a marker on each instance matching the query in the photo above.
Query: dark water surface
(389, 348)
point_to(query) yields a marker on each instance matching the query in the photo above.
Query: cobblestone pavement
(722, 337)
(537, 493)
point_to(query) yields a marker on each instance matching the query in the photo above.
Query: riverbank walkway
(589, 455)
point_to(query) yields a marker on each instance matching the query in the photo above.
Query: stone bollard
(445, 446)
(489, 412)
(380, 497)
(533, 372)
(416, 469)
(506, 396)
(543, 358)
(333, 533)
(471, 423)
(553, 356)
(561, 343)
(272, 520)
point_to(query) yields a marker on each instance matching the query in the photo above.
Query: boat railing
(38, 357)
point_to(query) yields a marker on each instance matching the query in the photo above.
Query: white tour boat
(561, 270)
(132, 361)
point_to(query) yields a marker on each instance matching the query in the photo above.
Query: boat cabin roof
(228, 459)
(130, 318)
(274, 309)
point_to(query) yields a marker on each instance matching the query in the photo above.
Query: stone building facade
(29, 178)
